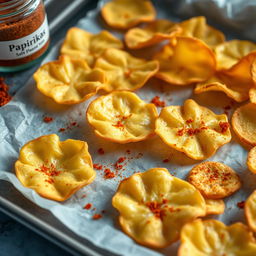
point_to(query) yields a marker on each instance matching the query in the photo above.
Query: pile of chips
(156, 209)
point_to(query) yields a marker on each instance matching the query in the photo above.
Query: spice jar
(24, 34)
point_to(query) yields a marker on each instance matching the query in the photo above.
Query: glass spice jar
(24, 34)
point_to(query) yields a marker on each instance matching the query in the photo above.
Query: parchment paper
(22, 120)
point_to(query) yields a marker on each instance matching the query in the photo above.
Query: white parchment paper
(22, 120)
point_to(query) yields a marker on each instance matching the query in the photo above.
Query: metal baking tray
(61, 15)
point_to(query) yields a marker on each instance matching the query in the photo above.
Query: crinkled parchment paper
(22, 120)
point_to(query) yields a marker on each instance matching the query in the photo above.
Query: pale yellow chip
(214, 238)
(124, 14)
(55, 169)
(252, 95)
(244, 123)
(214, 180)
(214, 206)
(251, 160)
(193, 129)
(68, 80)
(83, 44)
(154, 206)
(152, 33)
(250, 211)
(122, 117)
(197, 27)
(231, 52)
(184, 61)
(125, 72)
(236, 82)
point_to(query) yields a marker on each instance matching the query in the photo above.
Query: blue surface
(17, 240)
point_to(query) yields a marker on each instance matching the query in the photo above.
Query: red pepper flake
(128, 151)
(62, 130)
(192, 131)
(157, 102)
(119, 124)
(97, 166)
(74, 123)
(96, 216)
(155, 208)
(47, 119)
(224, 126)
(4, 95)
(88, 206)
(189, 121)
(166, 160)
(101, 151)
(165, 201)
(83, 196)
(121, 159)
(180, 132)
(50, 181)
(49, 171)
(241, 204)
(108, 174)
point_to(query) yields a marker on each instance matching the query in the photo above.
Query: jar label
(25, 46)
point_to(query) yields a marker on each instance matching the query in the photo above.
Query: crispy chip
(214, 206)
(235, 82)
(214, 238)
(252, 95)
(193, 129)
(231, 52)
(55, 169)
(197, 27)
(250, 211)
(251, 160)
(154, 206)
(122, 116)
(68, 80)
(152, 33)
(124, 14)
(82, 44)
(179, 65)
(214, 180)
(244, 123)
(125, 72)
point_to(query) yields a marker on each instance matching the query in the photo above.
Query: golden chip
(214, 180)
(55, 169)
(125, 72)
(244, 123)
(184, 61)
(250, 211)
(68, 80)
(193, 129)
(214, 206)
(235, 82)
(231, 52)
(251, 160)
(154, 206)
(152, 33)
(82, 44)
(122, 117)
(197, 27)
(252, 95)
(124, 14)
(212, 237)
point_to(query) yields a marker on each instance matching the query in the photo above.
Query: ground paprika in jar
(24, 33)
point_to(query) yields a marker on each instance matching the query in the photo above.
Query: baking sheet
(22, 120)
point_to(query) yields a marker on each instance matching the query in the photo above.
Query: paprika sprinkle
(24, 33)
(4, 95)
